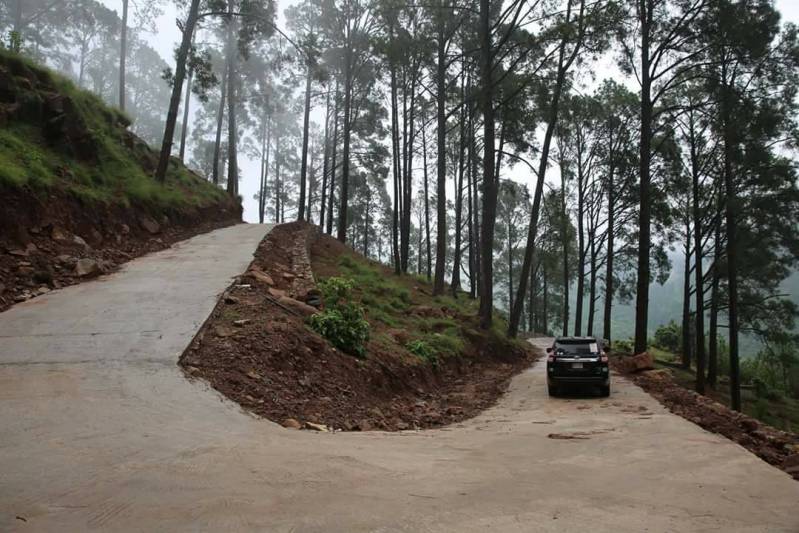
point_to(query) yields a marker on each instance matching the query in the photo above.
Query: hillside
(76, 187)
(425, 362)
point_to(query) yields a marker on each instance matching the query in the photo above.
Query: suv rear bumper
(588, 380)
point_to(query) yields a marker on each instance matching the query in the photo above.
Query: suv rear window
(577, 347)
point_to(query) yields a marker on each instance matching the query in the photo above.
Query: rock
(59, 234)
(31, 248)
(298, 306)
(150, 225)
(19, 252)
(124, 229)
(43, 277)
(316, 427)
(87, 267)
(2, 288)
(44, 289)
(80, 242)
(365, 425)
(66, 259)
(223, 331)
(261, 276)
(288, 276)
(230, 299)
(276, 293)
(291, 423)
(637, 363)
(241, 323)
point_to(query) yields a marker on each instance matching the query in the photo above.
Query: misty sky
(166, 39)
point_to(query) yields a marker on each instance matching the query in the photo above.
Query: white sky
(167, 37)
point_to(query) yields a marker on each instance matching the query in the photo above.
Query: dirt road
(100, 431)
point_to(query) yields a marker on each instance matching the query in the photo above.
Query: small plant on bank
(343, 322)
(423, 351)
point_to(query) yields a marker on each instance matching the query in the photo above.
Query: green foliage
(624, 346)
(344, 326)
(343, 322)
(423, 351)
(115, 176)
(668, 337)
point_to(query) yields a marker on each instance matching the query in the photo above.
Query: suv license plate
(577, 365)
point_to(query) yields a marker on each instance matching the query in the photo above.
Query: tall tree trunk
(699, 275)
(531, 309)
(185, 126)
(325, 163)
(489, 184)
(731, 208)
(472, 161)
(606, 317)
(305, 129)
(645, 208)
(343, 215)
(592, 284)
(264, 172)
(510, 265)
(441, 182)
(713, 331)
(429, 255)
(686, 304)
(407, 181)
(220, 117)
(278, 185)
(564, 63)
(232, 138)
(580, 292)
(123, 50)
(545, 310)
(333, 166)
(456, 260)
(565, 242)
(177, 91)
(395, 159)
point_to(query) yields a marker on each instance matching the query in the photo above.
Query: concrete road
(100, 431)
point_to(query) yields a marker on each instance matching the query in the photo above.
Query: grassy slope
(402, 310)
(117, 174)
(782, 413)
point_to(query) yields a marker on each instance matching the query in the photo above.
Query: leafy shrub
(335, 290)
(669, 337)
(343, 322)
(344, 326)
(624, 346)
(423, 351)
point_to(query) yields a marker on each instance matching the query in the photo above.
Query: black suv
(577, 361)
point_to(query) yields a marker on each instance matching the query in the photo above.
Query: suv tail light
(603, 357)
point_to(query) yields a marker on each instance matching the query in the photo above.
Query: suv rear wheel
(604, 391)
(553, 390)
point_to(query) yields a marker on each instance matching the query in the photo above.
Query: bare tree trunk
(185, 126)
(441, 181)
(427, 207)
(278, 185)
(343, 215)
(333, 165)
(580, 292)
(325, 164)
(645, 208)
(699, 275)
(232, 156)
(305, 129)
(686, 304)
(220, 116)
(177, 90)
(264, 165)
(713, 332)
(123, 50)
(564, 235)
(609, 289)
(395, 155)
(456, 260)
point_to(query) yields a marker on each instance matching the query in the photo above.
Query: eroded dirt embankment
(257, 350)
(49, 241)
(776, 447)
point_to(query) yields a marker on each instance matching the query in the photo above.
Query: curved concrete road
(100, 431)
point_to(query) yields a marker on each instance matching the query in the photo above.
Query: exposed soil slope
(778, 448)
(257, 350)
(76, 187)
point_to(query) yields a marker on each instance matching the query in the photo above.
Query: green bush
(624, 346)
(344, 326)
(343, 322)
(669, 337)
(423, 351)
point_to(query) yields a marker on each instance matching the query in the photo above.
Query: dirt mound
(262, 355)
(49, 243)
(776, 447)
